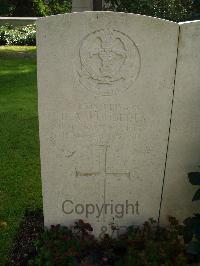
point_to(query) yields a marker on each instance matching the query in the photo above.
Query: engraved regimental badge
(109, 62)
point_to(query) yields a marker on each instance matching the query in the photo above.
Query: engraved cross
(103, 172)
(103, 167)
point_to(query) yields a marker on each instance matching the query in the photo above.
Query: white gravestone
(184, 145)
(105, 84)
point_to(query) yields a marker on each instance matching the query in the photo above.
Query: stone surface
(105, 85)
(82, 5)
(184, 145)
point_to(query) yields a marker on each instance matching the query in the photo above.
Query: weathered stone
(82, 5)
(105, 85)
(184, 145)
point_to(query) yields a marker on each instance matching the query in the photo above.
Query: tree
(5, 8)
(23, 8)
(195, 10)
(175, 10)
(33, 8)
(59, 6)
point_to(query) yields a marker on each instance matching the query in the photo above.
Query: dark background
(175, 10)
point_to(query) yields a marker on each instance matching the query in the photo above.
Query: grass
(20, 184)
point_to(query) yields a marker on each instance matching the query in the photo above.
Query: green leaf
(194, 248)
(188, 221)
(196, 195)
(187, 235)
(194, 178)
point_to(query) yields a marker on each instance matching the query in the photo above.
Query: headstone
(184, 145)
(98, 5)
(105, 84)
(82, 5)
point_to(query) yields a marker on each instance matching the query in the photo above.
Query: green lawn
(20, 184)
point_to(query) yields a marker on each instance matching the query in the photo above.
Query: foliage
(195, 11)
(58, 7)
(23, 8)
(175, 10)
(33, 8)
(3, 224)
(21, 35)
(192, 235)
(146, 245)
(61, 246)
(191, 230)
(5, 8)
(194, 179)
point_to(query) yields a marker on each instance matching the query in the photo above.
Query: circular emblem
(109, 62)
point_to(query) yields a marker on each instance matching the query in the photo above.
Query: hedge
(18, 35)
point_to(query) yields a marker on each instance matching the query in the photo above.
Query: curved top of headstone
(189, 22)
(104, 14)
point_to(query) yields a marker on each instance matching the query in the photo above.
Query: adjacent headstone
(82, 5)
(98, 5)
(184, 145)
(105, 85)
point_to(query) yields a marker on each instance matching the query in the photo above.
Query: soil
(29, 231)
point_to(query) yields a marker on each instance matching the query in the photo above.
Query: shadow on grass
(17, 52)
